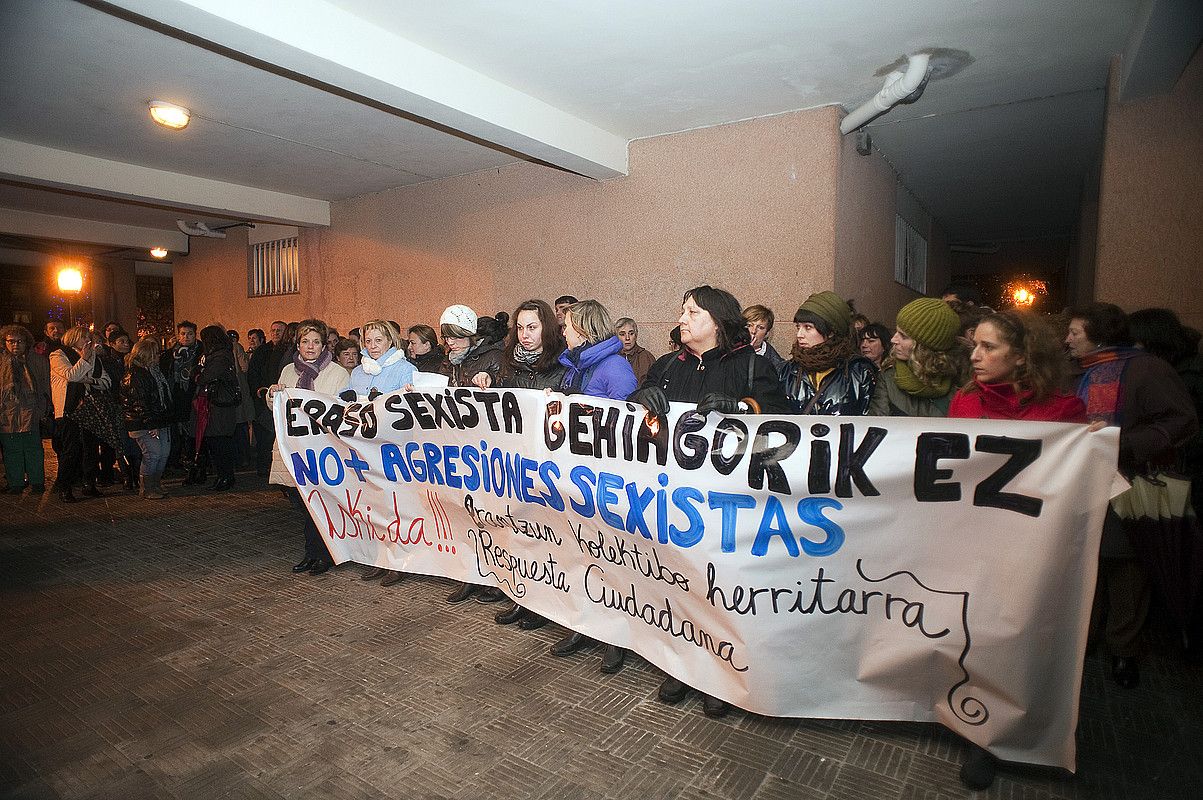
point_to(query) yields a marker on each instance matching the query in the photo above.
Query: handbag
(97, 413)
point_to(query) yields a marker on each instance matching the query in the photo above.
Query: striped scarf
(1101, 384)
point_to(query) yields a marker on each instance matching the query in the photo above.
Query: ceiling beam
(61, 169)
(331, 46)
(70, 229)
(1164, 37)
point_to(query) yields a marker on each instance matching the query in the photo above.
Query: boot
(462, 593)
(66, 495)
(613, 659)
(490, 595)
(510, 615)
(570, 644)
(672, 690)
(375, 573)
(90, 490)
(392, 579)
(532, 621)
(713, 707)
(979, 768)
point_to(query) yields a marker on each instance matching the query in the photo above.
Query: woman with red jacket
(1017, 366)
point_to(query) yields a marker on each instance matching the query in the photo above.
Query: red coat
(1002, 401)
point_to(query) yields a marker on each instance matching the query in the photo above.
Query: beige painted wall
(750, 207)
(1149, 250)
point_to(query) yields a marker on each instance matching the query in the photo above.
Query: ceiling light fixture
(158, 252)
(169, 115)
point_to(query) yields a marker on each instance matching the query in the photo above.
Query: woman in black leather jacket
(147, 411)
(529, 360)
(825, 375)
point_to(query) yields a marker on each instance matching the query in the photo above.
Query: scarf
(824, 357)
(905, 377)
(185, 361)
(307, 373)
(1100, 386)
(462, 355)
(373, 367)
(524, 356)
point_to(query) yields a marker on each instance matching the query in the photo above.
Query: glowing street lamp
(70, 283)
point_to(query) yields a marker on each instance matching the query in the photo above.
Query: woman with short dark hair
(424, 349)
(874, 343)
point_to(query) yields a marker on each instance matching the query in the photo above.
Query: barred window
(275, 268)
(910, 256)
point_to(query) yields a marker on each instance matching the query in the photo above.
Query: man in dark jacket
(178, 365)
(263, 371)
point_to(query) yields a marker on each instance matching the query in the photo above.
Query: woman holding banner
(470, 360)
(382, 369)
(594, 366)
(312, 367)
(925, 362)
(1017, 367)
(825, 374)
(530, 360)
(716, 368)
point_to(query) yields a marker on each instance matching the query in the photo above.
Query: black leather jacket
(141, 403)
(737, 374)
(846, 391)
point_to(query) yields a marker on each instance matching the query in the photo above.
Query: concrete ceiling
(312, 101)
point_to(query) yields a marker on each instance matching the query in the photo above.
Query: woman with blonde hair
(75, 370)
(312, 367)
(147, 413)
(926, 363)
(593, 362)
(383, 367)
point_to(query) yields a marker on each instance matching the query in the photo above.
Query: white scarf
(373, 367)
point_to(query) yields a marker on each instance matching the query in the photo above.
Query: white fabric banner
(870, 568)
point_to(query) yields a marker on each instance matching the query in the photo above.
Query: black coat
(846, 391)
(142, 405)
(523, 377)
(485, 358)
(219, 381)
(738, 374)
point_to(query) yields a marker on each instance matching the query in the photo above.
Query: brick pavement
(164, 649)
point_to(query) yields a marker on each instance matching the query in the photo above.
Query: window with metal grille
(275, 268)
(910, 256)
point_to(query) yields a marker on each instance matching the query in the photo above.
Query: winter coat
(218, 379)
(430, 361)
(739, 374)
(1156, 414)
(392, 377)
(24, 392)
(71, 377)
(521, 376)
(598, 370)
(1002, 401)
(144, 407)
(641, 360)
(331, 380)
(484, 357)
(179, 366)
(890, 401)
(845, 391)
(774, 357)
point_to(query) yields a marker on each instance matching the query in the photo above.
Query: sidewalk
(164, 649)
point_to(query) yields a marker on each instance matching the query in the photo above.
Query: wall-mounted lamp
(70, 280)
(158, 252)
(169, 115)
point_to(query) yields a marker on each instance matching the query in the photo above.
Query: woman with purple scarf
(1146, 399)
(312, 368)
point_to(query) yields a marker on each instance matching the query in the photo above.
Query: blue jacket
(391, 378)
(598, 370)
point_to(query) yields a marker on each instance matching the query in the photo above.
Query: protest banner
(872, 568)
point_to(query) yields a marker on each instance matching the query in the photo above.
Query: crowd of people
(120, 409)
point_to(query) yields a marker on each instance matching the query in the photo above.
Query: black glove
(721, 403)
(652, 398)
(348, 396)
(373, 394)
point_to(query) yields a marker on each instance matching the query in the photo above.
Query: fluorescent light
(169, 115)
(158, 252)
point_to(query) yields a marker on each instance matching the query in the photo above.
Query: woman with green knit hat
(926, 363)
(825, 374)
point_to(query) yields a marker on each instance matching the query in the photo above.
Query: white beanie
(460, 317)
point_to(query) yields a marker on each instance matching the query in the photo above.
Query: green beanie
(832, 309)
(930, 322)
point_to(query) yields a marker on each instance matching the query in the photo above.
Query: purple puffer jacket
(598, 370)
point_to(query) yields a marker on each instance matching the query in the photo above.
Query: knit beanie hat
(832, 309)
(461, 317)
(931, 322)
